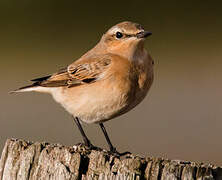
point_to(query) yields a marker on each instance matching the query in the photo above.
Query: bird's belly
(93, 104)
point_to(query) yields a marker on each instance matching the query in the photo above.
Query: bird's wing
(86, 71)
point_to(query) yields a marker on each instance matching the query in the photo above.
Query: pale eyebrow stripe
(116, 29)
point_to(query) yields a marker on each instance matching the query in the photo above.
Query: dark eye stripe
(125, 35)
(129, 35)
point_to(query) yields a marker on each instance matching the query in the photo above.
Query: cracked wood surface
(26, 160)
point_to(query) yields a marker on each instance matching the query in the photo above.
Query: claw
(114, 152)
(89, 145)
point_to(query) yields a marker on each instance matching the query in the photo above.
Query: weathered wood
(25, 160)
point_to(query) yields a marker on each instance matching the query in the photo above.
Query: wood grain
(23, 160)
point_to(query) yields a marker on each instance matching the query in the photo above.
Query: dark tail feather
(31, 87)
(25, 88)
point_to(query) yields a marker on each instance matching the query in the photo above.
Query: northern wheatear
(107, 81)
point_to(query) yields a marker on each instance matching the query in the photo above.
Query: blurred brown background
(181, 118)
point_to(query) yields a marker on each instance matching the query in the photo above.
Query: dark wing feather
(89, 70)
(41, 79)
(76, 74)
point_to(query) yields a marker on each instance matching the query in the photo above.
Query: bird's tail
(32, 87)
(36, 86)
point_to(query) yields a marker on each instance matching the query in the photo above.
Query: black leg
(85, 138)
(112, 149)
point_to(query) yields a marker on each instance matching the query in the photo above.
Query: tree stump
(26, 160)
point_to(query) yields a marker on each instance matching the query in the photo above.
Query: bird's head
(125, 38)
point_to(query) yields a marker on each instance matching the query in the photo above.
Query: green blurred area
(183, 106)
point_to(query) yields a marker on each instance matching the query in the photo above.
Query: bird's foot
(90, 146)
(114, 152)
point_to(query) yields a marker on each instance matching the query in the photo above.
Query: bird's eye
(119, 35)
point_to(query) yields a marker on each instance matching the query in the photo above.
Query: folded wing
(86, 71)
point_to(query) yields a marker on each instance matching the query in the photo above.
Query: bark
(26, 160)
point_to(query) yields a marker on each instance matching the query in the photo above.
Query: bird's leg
(85, 138)
(112, 149)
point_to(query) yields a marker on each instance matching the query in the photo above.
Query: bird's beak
(143, 34)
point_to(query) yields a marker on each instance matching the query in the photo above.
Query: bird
(105, 82)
